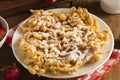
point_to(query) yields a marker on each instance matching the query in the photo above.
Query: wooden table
(7, 57)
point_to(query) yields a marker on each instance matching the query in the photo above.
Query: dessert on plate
(61, 42)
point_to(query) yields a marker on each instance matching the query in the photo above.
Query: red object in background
(2, 32)
(51, 1)
(11, 73)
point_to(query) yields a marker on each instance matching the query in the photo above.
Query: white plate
(85, 69)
